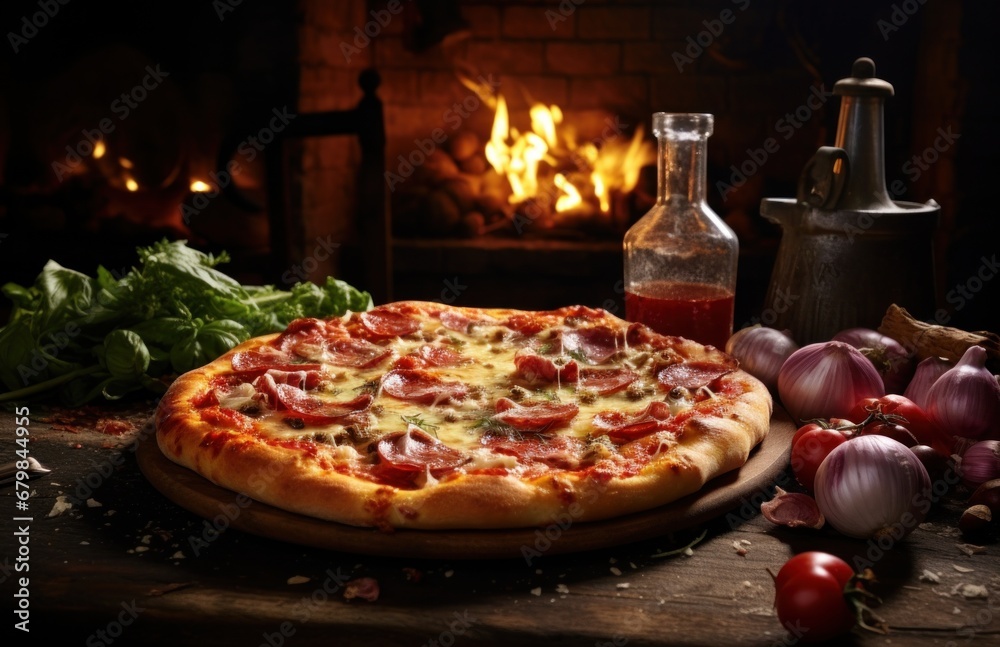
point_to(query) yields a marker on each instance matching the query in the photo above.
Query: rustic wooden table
(124, 565)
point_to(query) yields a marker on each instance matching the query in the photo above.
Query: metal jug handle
(824, 177)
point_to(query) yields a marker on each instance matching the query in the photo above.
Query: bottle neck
(681, 169)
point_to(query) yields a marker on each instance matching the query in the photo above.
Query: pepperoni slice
(692, 375)
(536, 417)
(622, 427)
(406, 454)
(355, 353)
(596, 344)
(269, 358)
(415, 385)
(460, 322)
(526, 324)
(558, 451)
(536, 368)
(606, 380)
(314, 410)
(389, 323)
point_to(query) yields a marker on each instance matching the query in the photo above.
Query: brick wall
(595, 59)
(625, 58)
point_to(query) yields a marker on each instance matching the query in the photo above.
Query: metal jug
(848, 250)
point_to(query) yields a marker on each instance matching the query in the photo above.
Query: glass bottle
(680, 258)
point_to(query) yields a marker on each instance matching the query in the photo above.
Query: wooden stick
(931, 340)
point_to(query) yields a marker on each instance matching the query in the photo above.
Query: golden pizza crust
(291, 479)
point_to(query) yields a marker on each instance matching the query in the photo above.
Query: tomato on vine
(818, 597)
(811, 444)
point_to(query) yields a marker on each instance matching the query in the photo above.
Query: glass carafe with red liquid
(680, 258)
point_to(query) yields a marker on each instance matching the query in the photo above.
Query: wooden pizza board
(721, 495)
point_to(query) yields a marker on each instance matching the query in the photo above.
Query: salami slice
(561, 452)
(268, 358)
(431, 357)
(598, 344)
(355, 353)
(314, 410)
(384, 322)
(412, 452)
(460, 322)
(606, 380)
(416, 385)
(622, 427)
(692, 375)
(536, 368)
(535, 417)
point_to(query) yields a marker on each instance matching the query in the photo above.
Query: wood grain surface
(194, 581)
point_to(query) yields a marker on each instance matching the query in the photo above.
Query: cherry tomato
(809, 451)
(843, 425)
(837, 567)
(923, 429)
(809, 597)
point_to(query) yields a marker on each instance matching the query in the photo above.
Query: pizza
(430, 416)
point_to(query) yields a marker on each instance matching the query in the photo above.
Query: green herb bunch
(80, 337)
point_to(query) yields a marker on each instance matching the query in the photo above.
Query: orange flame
(535, 162)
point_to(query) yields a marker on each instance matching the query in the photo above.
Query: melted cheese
(489, 372)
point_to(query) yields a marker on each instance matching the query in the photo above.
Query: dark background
(226, 75)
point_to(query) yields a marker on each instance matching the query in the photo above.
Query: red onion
(981, 463)
(873, 487)
(965, 401)
(761, 352)
(826, 380)
(889, 357)
(927, 373)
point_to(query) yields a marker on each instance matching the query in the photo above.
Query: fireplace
(475, 92)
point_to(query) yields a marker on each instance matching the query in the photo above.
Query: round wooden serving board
(202, 497)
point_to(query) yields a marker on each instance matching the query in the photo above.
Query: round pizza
(423, 415)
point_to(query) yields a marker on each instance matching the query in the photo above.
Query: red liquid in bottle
(703, 313)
